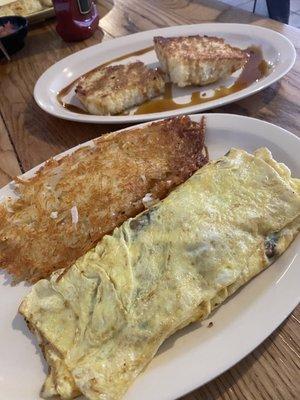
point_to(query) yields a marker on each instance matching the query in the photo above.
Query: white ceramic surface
(277, 50)
(197, 353)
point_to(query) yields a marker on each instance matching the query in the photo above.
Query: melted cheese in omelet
(102, 320)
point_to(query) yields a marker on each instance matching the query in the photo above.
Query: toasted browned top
(72, 202)
(192, 47)
(24, 7)
(105, 80)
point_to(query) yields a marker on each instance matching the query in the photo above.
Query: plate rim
(43, 100)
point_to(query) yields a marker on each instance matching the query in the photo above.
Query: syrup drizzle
(255, 69)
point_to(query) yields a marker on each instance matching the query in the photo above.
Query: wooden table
(29, 136)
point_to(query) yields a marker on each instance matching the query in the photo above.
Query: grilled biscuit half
(197, 60)
(113, 89)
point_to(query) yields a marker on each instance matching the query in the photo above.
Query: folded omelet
(102, 321)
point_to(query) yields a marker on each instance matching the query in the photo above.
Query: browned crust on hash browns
(104, 184)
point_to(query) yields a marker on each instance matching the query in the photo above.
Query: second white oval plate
(277, 51)
(197, 353)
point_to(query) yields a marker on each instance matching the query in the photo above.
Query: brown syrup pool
(255, 69)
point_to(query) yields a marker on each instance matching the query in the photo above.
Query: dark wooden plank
(37, 135)
(9, 166)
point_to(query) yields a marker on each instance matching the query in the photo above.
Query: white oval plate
(277, 50)
(197, 353)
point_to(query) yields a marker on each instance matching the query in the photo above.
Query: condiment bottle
(76, 19)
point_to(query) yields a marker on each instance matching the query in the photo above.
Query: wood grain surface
(9, 165)
(29, 136)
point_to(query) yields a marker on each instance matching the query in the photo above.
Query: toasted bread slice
(23, 7)
(72, 202)
(113, 89)
(197, 60)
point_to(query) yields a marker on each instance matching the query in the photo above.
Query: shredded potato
(71, 203)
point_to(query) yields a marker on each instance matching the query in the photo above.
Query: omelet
(102, 320)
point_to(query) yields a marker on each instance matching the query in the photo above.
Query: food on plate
(7, 29)
(101, 321)
(112, 89)
(197, 60)
(73, 201)
(24, 7)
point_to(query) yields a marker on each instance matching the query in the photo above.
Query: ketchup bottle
(76, 19)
